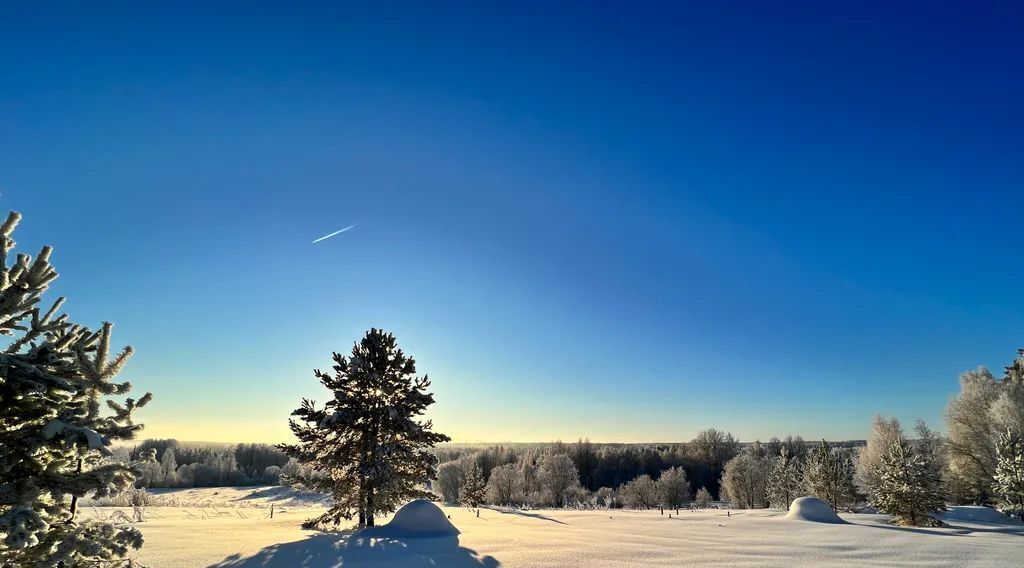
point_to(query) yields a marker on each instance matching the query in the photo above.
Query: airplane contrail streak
(338, 232)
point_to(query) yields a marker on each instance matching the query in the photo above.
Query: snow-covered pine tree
(367, 447)
(828, 476)
(474, 490)
(785, 480)
(909, 486)
(54, 439)
(1009, 478)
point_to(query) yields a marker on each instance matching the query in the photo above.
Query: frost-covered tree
(505, 486)
(607, 497)
(450, 477)
(640, 493)
(828, 476)
(884, 433)
(559, 478)
(673, 488)
(1009, 476)
(148, 470)
(909, 486)
(474, 490)
(712, 449)
(745, 480)
(703, 498)
(785, 480)
(369, 439)
(169, 468)
(55, 376)
(975, 419)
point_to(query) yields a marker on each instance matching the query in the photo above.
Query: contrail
(338, 232)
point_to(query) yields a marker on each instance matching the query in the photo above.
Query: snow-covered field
(230, 527)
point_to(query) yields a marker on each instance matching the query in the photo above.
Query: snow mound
(419, 518)
(976, 515)
(812, 509)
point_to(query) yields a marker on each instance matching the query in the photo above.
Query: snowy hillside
(240, 534)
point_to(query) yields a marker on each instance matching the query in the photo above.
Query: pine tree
(828, 476)
(474, 490)
(1009, 477)
(909, 486)
(785, 480)
(367, 447)
(54, 440)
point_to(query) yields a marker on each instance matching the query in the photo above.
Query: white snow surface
(238, 533)
(977, 515)
(812, 509)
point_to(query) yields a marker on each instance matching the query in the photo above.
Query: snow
(977, 515)
(240, 534)
(812, 509)
(418, 519)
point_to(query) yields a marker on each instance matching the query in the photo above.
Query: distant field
(230, 527)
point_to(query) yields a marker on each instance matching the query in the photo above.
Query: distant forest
(191, 464)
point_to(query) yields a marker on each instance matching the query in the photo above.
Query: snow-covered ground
(231, 528)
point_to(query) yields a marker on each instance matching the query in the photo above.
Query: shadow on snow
(509, 511)
(363, 548)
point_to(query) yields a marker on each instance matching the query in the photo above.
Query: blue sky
(583, 219)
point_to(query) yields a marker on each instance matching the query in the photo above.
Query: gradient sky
(626, 222)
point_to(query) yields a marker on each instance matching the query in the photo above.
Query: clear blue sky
(583, 219)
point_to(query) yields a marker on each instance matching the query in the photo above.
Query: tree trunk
(369, 507)
(74, 498)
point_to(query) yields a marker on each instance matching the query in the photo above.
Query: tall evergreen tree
(367, 446)
(474, 490)
(785, 480)
(909, 485)
(1009, 477)
(54, 440)
(828, 476)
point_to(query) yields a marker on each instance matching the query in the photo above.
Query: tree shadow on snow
(363, 548)
(507, 511)
(950, 529)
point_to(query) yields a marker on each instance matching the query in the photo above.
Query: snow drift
(418, 518)
(812, 509)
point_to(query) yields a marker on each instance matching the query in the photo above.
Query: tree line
(169, 463)
(912, 477)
